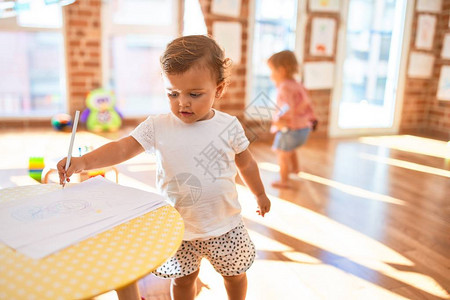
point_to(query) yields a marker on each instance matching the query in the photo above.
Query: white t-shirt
(196, 169)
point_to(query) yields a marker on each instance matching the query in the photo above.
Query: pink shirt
(294, 106)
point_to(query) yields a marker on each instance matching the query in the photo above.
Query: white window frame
(333, 129)
(109, 28)
(300, 29)
(11, 25)
(302, 18)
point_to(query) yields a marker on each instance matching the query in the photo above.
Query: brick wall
(438, 111)
(422, 111)
(321, 98)
(83, 50)
(233, 101)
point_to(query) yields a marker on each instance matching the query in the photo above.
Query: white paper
(443, 92)
(318, 75)
(445, 53)
(58, 242)
(230, 8)
(420, 65)
(228, 35)
(429, 5)
(426, 25)
(49, 222)
(324, 5)
(322, 36)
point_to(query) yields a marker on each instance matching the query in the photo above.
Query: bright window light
(194, 22)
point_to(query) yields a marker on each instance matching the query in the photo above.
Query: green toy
(101, 113)
(35, 167)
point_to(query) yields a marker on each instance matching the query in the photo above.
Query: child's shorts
(291, 139)
(230, 254)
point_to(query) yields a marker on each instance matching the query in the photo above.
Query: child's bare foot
(281, 185)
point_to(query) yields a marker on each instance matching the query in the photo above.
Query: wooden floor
(369, 218)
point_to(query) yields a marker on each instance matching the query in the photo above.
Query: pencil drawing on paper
(59, 208)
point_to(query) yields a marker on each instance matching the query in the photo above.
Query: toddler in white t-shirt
(199, 151)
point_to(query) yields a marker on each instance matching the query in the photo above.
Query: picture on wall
(228, 35)
(324, 5)
(230, 8)
(322, 36)
(426, 25)
(420, 65)
(429, 5)
(445, 53)
(318, 75)
(443, 92)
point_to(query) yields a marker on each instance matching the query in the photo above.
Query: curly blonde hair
(285, 59)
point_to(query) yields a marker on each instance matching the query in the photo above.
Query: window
(371, 63)
(193, 19)
(274, 31)
(32, 63)
(136, 33)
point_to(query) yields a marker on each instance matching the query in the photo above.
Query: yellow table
(112, 260)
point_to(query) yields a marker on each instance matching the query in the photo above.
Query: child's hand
(263, 204)
(273, 129)
(278, 126)
(314, 125)
(77, 165)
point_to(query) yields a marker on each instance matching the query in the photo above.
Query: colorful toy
(91, 174)
(62, 122)
(101, 114)
(85, 175)
(35, 167)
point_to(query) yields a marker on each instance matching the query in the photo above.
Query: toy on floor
(62, 122)
(35, 167)
(101, 113)
(85, 175)
(91, 173)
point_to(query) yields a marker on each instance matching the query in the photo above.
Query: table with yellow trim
(112, 260)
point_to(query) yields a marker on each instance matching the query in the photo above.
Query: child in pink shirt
(294, 118)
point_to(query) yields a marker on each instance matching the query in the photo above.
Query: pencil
(72, 138)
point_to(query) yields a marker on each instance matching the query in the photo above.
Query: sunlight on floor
(214, 287)
(335, 261)
(269, 244)
(337, 244)
(52, 145)
(410, 143)
(406, 165)
(298, 223)
(23, 180)
(349, 189)
(356, 191)
(292, 280)
(131, 182)
(112, 295)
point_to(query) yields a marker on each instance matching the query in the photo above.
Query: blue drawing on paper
(59, 208)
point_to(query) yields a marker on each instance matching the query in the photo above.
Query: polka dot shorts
(230, 254)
